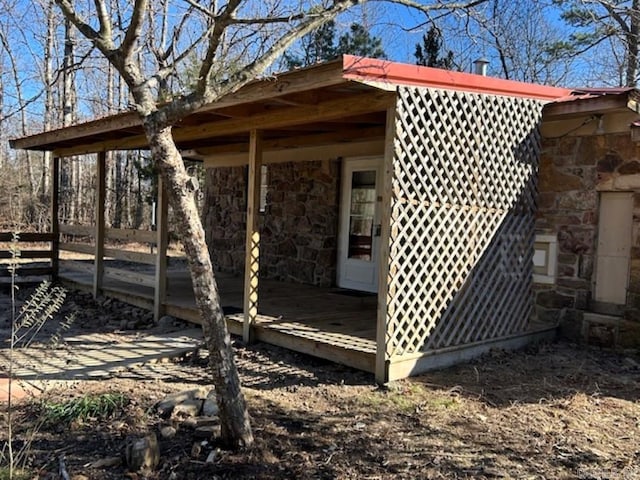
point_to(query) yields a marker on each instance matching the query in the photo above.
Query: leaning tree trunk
(234, 419)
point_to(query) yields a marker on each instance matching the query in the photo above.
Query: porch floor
(329, 323)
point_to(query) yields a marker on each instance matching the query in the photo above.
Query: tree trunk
(119, 191)
(632, 45)
(234, 419)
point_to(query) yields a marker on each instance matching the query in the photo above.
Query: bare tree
(613, 24)
(236, 41)
(516, 36)
(522, 37)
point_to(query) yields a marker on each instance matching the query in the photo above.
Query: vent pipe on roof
(480, 66)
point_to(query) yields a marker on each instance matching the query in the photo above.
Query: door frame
(350, 165)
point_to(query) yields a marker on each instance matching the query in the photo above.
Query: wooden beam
(94, 127)
(278, 86)
(128, 276)
(24, 271)
(78, 248)
(293, 140)
(77, 266)
(129, 256)
(80, 230)
(597, 105)
(600, 124)
(326, 152)
(98, 259)
(252, 248)
(55, 222)
(31, 254)
(382, 358)
(325, 111)
(160, 284)
(131, 235)
(27, 237)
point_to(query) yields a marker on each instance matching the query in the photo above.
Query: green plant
(409, 397)
(8, 473)
(81, 409)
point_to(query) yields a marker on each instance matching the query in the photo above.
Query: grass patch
(18, 474)
(409, 398)
(84, 408)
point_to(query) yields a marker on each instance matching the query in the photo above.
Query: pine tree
(428, 53)
(320, 46)
(359, 42)
(317, 47)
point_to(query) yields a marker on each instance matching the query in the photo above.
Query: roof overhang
(591, 111)
(347, 98)
(593, 102)
(388, 75)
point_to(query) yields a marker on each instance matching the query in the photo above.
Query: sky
(399, 27)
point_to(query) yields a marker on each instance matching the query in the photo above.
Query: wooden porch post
(55, 220)
(252, 247)
(98, 261)
(160, 287)
(382, 358)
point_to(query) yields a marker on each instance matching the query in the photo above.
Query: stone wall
(298, 229)
(224, 217)
(572, 171)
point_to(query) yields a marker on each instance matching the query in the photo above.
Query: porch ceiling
(317, 104)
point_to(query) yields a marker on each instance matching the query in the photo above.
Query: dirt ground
(554, 411)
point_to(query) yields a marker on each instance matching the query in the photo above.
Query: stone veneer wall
(572, 170)
(224, 213)
(298, 230)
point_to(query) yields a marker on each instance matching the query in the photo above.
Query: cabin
(380, 215)
(588, 219)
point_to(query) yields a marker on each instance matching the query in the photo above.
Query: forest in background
(51, 77)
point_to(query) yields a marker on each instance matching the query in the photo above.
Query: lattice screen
(462, 218)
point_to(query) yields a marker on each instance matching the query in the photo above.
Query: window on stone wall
(544, 259)
(264, 188)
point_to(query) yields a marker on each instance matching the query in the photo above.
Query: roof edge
(384, 71)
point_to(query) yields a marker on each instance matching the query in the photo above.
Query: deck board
(317, 321)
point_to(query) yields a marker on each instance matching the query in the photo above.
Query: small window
(544, 259)
(264, 188)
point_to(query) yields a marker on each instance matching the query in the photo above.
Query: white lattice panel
(463, 201)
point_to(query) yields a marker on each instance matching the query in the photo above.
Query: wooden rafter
(286, 84)
(291, 141)
(326, 111)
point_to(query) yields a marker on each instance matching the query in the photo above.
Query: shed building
(376, 214)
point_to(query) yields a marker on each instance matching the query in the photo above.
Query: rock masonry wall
(298, 229)
(572, 171)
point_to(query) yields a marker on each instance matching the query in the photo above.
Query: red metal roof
(368, 69)
(589, 93)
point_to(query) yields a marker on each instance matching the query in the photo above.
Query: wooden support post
(382, 358)
(55, 220)
(162, 238)
(98, 260)
(252, 248)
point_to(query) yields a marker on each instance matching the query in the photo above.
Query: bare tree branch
(221, 22)
(132, 35)
(441, 5)
(82, 26)
(104, 19)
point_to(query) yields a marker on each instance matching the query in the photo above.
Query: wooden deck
(328, 323)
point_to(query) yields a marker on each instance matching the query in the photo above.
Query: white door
(359, 225)
(614, 247)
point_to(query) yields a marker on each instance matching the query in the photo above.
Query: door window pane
(362, 214)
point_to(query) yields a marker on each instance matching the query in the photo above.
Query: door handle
(378, 230)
